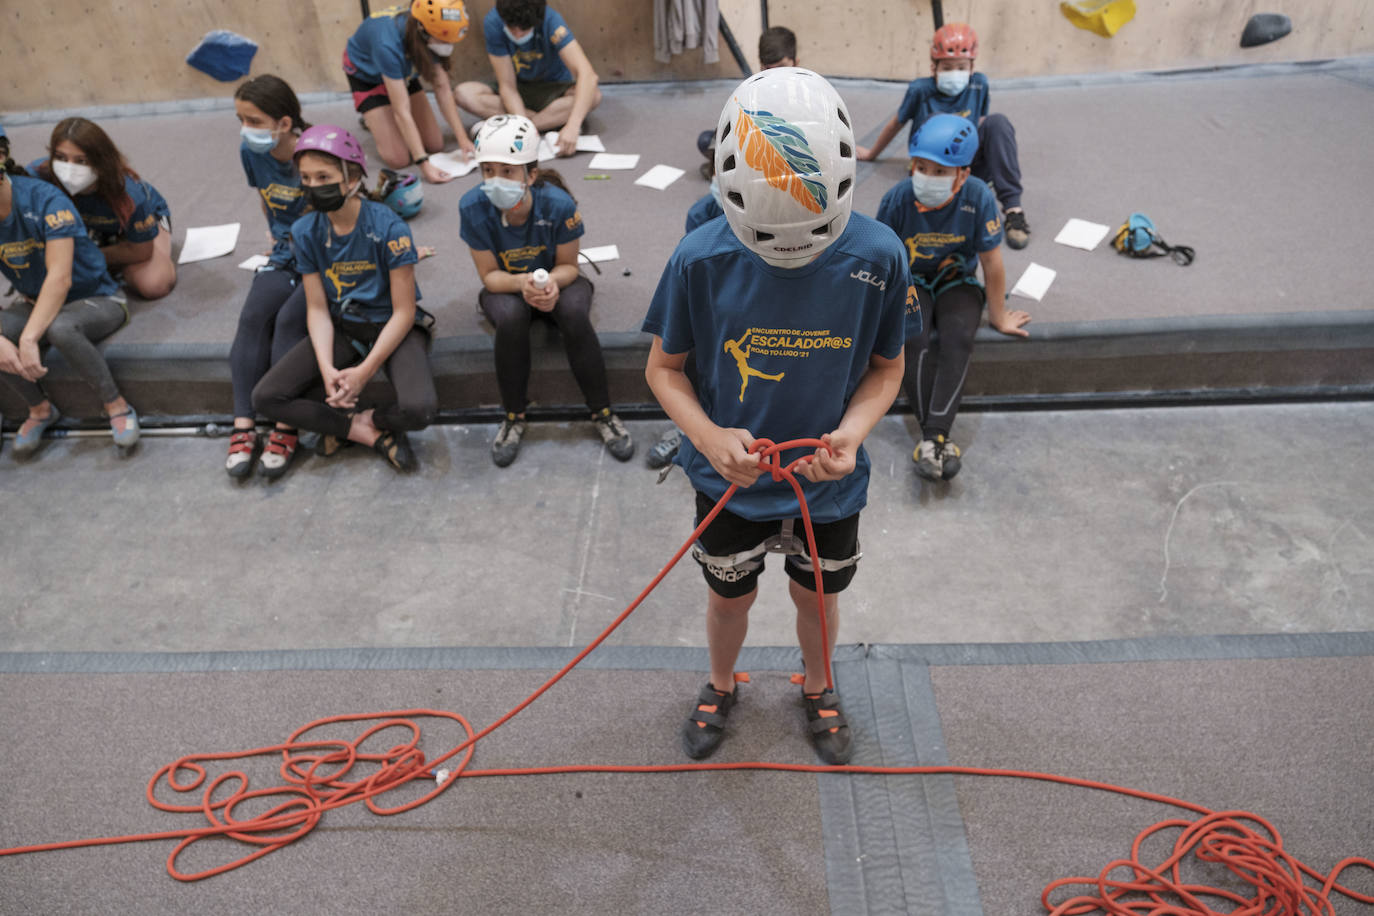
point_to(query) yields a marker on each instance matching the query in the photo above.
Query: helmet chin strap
(788, 263)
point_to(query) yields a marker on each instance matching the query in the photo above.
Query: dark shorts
(731, 534)
(536, 95)
(367, 96)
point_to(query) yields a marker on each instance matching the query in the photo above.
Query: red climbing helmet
(954, 41)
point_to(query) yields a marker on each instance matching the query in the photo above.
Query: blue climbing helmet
(401, 192)
(946, 139)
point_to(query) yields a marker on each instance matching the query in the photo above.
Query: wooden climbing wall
(78, 53)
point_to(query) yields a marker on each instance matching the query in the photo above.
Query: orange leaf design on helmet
(780, 151)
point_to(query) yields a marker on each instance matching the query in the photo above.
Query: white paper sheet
(1034, 283)
(586, 143)
(601, 253)
(1079, 233)
(453, 164)
(256, 261)
(659, 177)
(206, 242)
(613, 161)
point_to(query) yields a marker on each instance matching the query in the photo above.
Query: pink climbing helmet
(334, 140)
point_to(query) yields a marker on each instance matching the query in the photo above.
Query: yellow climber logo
(339, 270)
(747, 371)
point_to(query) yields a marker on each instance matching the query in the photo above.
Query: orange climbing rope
(317, 778)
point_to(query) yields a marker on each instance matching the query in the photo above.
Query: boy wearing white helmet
(797, 309)
(523, 228)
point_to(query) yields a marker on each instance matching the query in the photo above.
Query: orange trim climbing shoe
(704, 729)
(829, 730)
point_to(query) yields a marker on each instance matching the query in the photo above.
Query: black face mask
(326, 198)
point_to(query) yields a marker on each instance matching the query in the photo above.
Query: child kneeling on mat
(796, 309)
(357, 264)
(949, 222)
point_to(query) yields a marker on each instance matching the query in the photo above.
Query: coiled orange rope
(318, 777)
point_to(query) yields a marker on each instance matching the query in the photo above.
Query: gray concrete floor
(1062, 526)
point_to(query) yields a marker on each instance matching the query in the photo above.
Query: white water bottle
(541, 278)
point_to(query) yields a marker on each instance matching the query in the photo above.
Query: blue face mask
(951, 82)
(932, 191)
(503, 193)
(257, 139)
(522, 40)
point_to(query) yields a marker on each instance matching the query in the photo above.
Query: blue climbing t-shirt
(536, 60)
(279, 184)
(40, 212)
(922, 100)
(703, 211)
(377, 47)
(103, 226)
(780, 352)
(554, 220)
(968, 225)
(356, 268)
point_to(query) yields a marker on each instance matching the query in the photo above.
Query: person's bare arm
(867, 153)
(504, 68)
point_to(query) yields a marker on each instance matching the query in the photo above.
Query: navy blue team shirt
(536, 60)
(968, 225)
(357, 267)
(103, 226)
(780, 352)
(41, 212)
(922, 100)
(279, 185)
(554, 220)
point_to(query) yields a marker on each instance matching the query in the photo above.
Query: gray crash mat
(1249, 723)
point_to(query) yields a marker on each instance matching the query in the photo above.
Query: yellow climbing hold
(1101, 16)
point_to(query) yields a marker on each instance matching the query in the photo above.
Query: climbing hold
(1264, 28)
(223, 54)
(1101, 16)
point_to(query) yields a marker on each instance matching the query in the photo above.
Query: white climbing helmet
(785, 161)
(512, 139)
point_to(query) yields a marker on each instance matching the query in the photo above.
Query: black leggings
(937, 366)
(292, 391)
(511, 315)
(271, 323)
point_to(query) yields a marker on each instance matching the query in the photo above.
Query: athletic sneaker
(949, 458)
(704, 729)
(1017, 229)
(929, 460)
(614, 434)
(665, 449)
(506, 445)
(829, 730)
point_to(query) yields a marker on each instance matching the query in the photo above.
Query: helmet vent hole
(736, 198)
(822, 229)
(729, 164)
(844, 118)
(763, 236)
(843, 189)
(724, 132)
(846, 151)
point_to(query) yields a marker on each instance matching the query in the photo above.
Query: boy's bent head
(521, 14)
(777, 48)
(785, 164)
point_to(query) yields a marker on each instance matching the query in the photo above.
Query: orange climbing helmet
(443, 20)
(954, 41)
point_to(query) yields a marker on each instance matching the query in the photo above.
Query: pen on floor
(596, 177)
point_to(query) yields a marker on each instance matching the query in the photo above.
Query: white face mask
(715, 190)
(442, 48)
(75, 178)
(932, 191)
(521, 40)
(951, 82)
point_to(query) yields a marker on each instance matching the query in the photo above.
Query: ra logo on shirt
(779, 150)
(574, 221)
(399, 246)
(558, 34)
(59, 218)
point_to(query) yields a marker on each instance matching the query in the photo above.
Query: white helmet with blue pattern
(785, 162)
